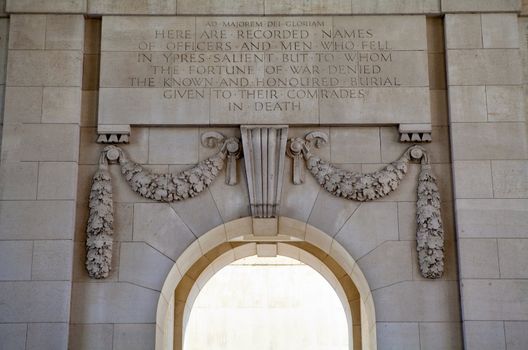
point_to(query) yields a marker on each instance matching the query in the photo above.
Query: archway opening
(264, 303)
(234, 241)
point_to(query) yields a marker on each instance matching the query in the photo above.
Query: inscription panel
(264, 70)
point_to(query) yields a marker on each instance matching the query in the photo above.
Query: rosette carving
(371, 186)
(165, 187)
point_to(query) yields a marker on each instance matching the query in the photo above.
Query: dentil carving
(165, 187)
(371, 186)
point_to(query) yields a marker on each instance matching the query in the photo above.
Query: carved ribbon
(167, 187)
(366, 187)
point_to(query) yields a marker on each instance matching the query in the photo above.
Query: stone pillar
(39, 179)
(489, 149)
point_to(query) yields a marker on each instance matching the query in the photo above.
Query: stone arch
(238, 239)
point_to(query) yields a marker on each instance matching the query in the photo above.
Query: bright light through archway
(267, 304)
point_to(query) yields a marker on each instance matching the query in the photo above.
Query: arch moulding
(239, 239)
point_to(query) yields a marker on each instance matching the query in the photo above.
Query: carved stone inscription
(238, 70)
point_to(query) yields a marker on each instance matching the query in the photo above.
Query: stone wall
(489, 148)
(40, 148)
(49, 153)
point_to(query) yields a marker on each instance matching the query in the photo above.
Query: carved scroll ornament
(166, 187)
(371, 186)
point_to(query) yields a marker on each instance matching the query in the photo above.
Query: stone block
(44, 68)
(23, 105)
(29, 301)
(27, 32)
(64, 32)
(57, 180)
(356, 145)
(318, 238)
(158, 225)
(278, 7)
(91, 336)
(38, 6)
(132, 7)
(505, 103)
(212, 239)
(495, 300)
(509, 178)
(36, 219)
(232, 201)
(463, 31)
(15, 259)
(61, 105)
(13, 336)
(379, 107)
(18, 181)
(407, 221)
(173, 146)
(266, 250)
(492, 218)
(369, 226)
(395, 7)
(47, 336)
(298, 200)
(481, 141)
(500, 31)
(40, 142)
(330, 213)
(473, 179)
(389, 263)
(467, 104)
(480, 5)
(192, 210)
(513, 257)
(130, 106)
(52, 260)
(484, 335)
(427, 301)
(516, 335)
(143, 265)
(265, 226)
(114, 302)
(478, 258)
(398, 336)
(484, 67)
(220, 7)
(441, 336)
(134, 336)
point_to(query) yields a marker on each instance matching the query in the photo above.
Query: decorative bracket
(112, 134)
(264, 152)
(415, 132)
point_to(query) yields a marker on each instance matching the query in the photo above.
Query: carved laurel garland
(371, 186)
(166, 187)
